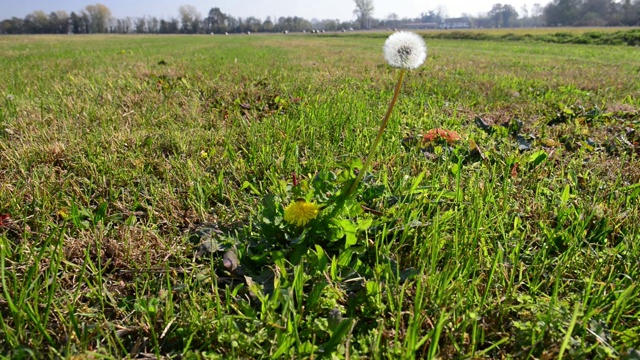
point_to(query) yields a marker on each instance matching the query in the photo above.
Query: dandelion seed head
(405, 50)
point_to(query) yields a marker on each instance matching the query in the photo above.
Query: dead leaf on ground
(449, 136)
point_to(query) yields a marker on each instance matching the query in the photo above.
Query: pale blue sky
(319, 9)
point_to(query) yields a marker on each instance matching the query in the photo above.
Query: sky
(308, 9)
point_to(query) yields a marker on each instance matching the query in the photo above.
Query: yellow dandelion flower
(300, 212)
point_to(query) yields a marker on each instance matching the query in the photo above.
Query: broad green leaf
(538, 157)
(416, 182)
(566, 194)
(338, 336)
(251, 187)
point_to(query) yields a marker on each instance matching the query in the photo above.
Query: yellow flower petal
(300, 213)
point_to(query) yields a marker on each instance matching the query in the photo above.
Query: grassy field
(541, 30)
(122, 156)
(585, 36)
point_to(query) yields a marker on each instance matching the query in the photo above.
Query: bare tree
(536, 13)
(525, 14)
(364, 11)
(122, 26)
(153, 25)
(141, 25)
(441, 11)
(190, 18)
(99, 15)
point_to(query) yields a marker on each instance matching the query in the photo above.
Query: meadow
(122, 156)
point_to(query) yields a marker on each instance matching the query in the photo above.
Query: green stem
(374, 146)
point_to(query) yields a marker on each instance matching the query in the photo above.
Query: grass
(558, 35)
(116, 149)
(591, 36)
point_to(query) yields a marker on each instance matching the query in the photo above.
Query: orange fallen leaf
(514, 170)
(449, 136)
(4, 220)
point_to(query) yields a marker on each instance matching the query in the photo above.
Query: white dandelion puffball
(405, 50)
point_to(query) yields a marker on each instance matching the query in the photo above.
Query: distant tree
(164, 27)
(364, 12)
(12, 26)
(99, 16)
(174, 27)
(268, 25)
(441, 12)
(503, 15)
(74, 21)
(141, 25)
(432, 16)
(233, 24)
(494, 14)
(392, 20)
(251, 24)
(190, 19)
(596, 13)
(122, 26)
(169, 27)
(6, 26)
(603, 7)
(153, 25)
(59, 22)
(85, 23)
(301, 24)
(37, 22)
(525, 14)
(509, 15)
(536, 14)
(216, 21)
(562, 12)
(283, 24)
(629, 13)
(293, 24)
(328, 24)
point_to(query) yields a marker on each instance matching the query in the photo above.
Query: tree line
(592, 13)
(97, 18)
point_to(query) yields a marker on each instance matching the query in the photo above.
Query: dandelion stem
(374, 146)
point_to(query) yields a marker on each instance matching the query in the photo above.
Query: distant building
(484, 23)
(456, 23)
(416, 26)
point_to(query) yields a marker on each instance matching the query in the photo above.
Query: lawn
(143, 181)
